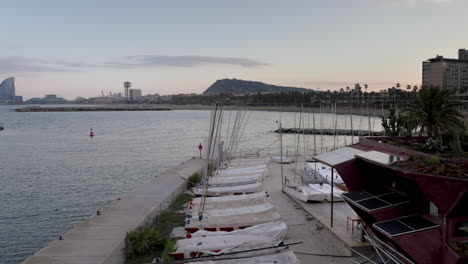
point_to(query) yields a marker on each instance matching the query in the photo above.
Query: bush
(193, 180)
(432, 161)
(143, 242)
(170, 246)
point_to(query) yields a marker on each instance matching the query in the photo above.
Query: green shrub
(142, 242)
(193, 180)
(170, 246)
(432, 161)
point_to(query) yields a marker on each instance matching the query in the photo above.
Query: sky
(80, 48)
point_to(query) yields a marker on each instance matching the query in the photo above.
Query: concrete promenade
(319, 245)
(100, 238)
(342, 228)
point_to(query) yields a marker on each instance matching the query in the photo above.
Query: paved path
(100, 238)
(302, 228)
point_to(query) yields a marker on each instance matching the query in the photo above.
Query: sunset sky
(78, 48)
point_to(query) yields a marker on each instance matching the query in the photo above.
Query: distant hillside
(241, 86)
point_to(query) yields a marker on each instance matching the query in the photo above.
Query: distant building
(134, 94)
(50, 96)
(7, 90)
(463, 54)
(48, 99)
(18, 99)
(447, 73)
(357, 88)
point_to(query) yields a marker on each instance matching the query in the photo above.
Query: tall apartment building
(447, 73)
(7, 89)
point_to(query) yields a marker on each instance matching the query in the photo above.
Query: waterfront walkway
(342, 227)
(100, 238)
(320, 245)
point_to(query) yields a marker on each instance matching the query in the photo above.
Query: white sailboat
(325, 172)
(326, 190)
(304, 193)
(275, 230)
(228, 190)
(285, 160)
(254, 199)
(287, 257)
(218, 245)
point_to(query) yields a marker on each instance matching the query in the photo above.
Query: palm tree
(434, 112)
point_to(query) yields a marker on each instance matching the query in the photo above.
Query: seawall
(101, 238)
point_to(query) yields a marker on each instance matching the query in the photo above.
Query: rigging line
(368, 115)
(373, 120)
(360, 120)
(245, 124)
(205, 179)
(336, 123)
(315, 142)
(321, 129)
(297, 145)
(345, 127)
(352, 131)
(218, 122)
(227, 134)
(308, 131)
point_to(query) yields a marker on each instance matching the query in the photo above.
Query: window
(461, 229)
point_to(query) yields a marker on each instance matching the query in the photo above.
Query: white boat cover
(287, 257)
(217, 245)
(249, 161)
(265, 207)
(286, 160)
(230, 198)
(229, 190)
(326, 189)
(233, 221)
(234, 179)
(240, 171)
(242, 174)
(247, 167)
(275, 230)
(325, 172)
(304, 193)
(259, 199)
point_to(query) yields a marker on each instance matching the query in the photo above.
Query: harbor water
(53, 175)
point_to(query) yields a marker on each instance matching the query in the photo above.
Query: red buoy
(91, 134)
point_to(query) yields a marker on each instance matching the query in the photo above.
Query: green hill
(241, 86)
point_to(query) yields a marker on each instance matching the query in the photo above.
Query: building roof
(442, 59)
(338, 156)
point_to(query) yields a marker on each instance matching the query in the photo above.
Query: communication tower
(127, 86)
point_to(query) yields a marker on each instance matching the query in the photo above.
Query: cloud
(414, 2)
(399, 3)
(14, 64)
(153, 61)
(12, 46)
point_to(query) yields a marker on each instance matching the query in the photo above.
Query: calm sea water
(53, 175)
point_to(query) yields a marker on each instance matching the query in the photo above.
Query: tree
(434, 112)
(392, 125)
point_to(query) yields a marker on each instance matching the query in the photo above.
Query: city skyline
(80, 48)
